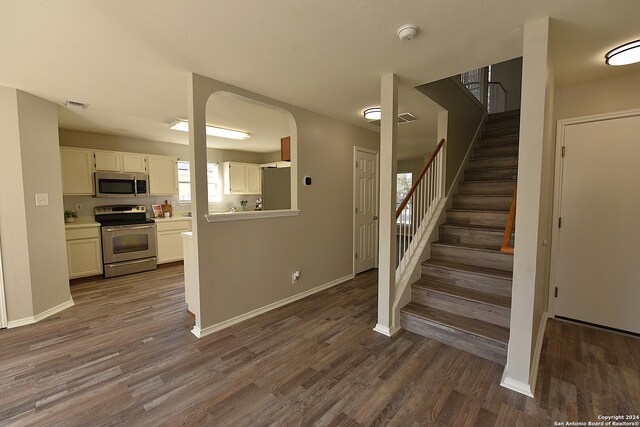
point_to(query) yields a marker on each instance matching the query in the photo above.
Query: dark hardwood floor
(124, 355)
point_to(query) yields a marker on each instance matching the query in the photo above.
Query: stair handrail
(506, 248)
(417, 181)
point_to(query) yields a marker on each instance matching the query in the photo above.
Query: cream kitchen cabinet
(242, 178)
(114, 161)
(77, 171)
(163, 175)
(84, 250)
(169, 238)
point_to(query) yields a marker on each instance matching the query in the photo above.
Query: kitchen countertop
(82, 222)
(173, 218)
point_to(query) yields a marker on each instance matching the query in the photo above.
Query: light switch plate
(42, 199)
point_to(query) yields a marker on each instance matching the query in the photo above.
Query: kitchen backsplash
(89, 203)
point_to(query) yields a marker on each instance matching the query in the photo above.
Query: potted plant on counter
(244, 204)
(70, 216)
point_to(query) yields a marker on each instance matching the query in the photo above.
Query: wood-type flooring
(124, 355)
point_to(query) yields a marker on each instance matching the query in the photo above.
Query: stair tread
(505, 156)
(483, 195)
(489, 181)
(498, 168)
(471, 246)
(471, 326)
(473, 227)
(484, 271)
(464, 293)
(481, 210)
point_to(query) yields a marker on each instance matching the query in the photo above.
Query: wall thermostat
(307, 180)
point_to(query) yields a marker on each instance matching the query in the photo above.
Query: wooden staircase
(464, 295)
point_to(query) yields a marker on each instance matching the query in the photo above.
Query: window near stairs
(184, 182)
(404, 183)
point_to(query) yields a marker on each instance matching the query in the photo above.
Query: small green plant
(70, 214)
(244, 204)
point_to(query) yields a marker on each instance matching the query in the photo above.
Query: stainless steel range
(128, 239)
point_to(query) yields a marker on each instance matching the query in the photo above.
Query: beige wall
(465, 115)
(34, 252)
(414, 166)
(597, 97)
(98, 141)
(509, 74)
(245, 265)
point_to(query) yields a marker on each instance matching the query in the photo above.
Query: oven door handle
(125, 227)
(137, 261)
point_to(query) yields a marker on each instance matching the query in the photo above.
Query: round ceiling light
(374, 113)
(628, 53)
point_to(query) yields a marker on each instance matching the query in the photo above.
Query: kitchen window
(184, 182)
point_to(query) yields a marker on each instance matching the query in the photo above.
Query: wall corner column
(387, 324)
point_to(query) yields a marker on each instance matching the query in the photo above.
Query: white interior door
(598, 265)
(3, 307)
(366, 210)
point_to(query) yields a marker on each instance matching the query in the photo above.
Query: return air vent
(76, 105)
(402, 118)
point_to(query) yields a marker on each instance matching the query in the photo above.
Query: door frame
(557, 191)
(3, 306)
(353, 207)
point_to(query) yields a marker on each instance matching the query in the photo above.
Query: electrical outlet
(295, 277)
(79, 206)
(173, 203)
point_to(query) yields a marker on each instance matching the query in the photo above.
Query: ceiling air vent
(406, 118)
(402, 118)
(76, 105)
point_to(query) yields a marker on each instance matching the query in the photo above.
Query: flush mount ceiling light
(628, 53)
(183, 125)
(374, 113)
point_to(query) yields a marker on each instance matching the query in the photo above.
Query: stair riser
(492, 188)
(476, 310)
(493, 219)
(500, 162)
(473, 257)
(483, 153)
(490, 174)
(490, 131)
(490, 203)
(498, 142)
(488, 284)
(506, 123)
(471, 236)
(461, 340)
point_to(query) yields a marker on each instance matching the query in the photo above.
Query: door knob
(375, 217)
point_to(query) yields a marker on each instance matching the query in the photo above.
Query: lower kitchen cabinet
(170, 240)
(84, 252)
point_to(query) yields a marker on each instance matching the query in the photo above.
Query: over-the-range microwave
(110, 184)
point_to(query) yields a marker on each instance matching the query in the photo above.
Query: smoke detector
(407, 31)
(76, 105)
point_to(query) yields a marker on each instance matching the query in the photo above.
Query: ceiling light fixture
(628, 53)
(374, 113)
(183, 125)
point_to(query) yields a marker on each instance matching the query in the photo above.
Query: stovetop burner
(121, 215)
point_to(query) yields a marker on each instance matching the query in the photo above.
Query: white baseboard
(516, 386)
(535, 362)
(38, 317)
(202, 332)
(384, 330)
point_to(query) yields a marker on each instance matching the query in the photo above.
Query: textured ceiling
(130, 59)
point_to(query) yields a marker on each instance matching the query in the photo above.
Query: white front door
(3, 307)
(598, 257)
(366, 210)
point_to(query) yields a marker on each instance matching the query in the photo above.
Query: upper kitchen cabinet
(108, 161)
(77, 171)
(241, 178)
(134, 163)
(114, 161)
(163, 175)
